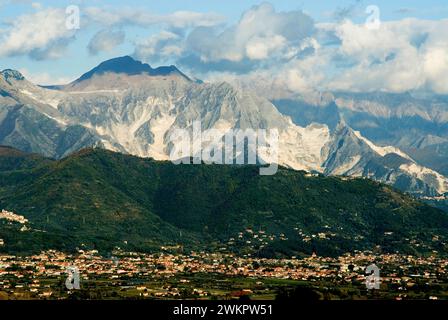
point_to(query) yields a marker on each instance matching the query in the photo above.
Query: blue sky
(194, 38)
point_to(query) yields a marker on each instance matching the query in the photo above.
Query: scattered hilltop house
(11, 216)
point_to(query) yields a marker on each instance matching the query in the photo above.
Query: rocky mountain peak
(9, 74)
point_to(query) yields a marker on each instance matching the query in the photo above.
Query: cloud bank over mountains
(280, 52)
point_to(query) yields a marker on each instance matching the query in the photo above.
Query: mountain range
(127, 106)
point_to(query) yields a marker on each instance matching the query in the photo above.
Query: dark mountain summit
(127, 65)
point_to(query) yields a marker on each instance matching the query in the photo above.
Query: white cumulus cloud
(105, 40)
(41, 35)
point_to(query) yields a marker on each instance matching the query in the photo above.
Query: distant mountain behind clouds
(415, 123)
(126, 106)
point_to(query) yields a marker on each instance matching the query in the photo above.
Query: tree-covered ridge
(103, 200)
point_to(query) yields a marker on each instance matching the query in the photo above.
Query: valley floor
(207, 276)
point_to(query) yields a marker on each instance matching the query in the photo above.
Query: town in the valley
(202, 275)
